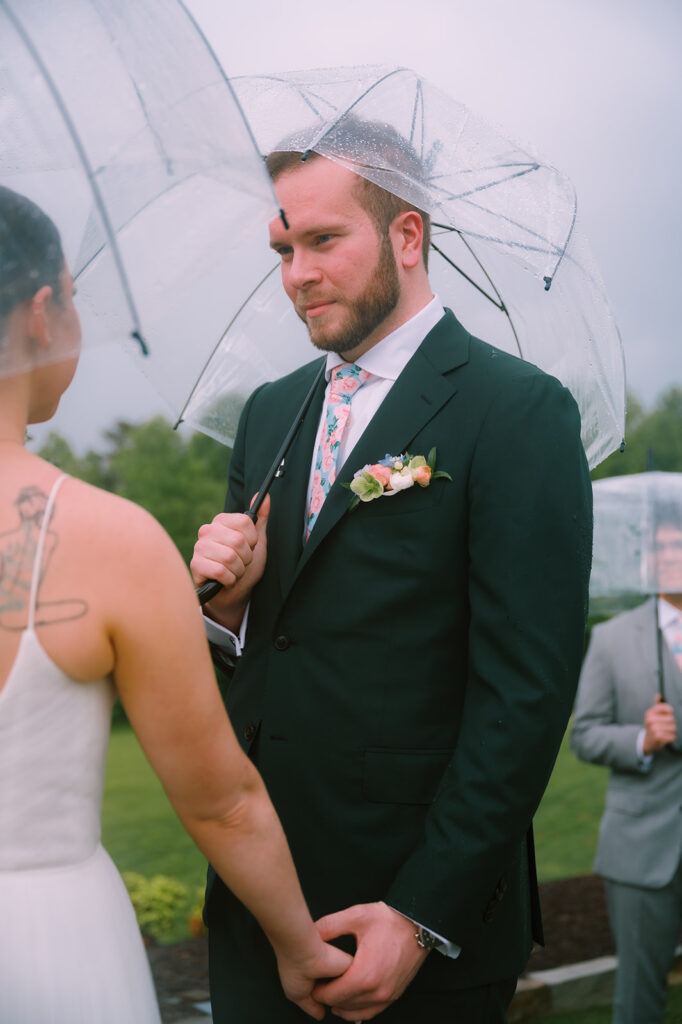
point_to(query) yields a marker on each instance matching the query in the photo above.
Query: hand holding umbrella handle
(210, 588)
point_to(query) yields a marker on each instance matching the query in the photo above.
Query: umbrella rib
(155, 135)
(304, 93)
(548, 280)
(80, 149)
(325, 131)
(217, 344)
(238, 105)
(500, 304)
(528, 169)
(495, 240)
(418, 102)
(134, 214)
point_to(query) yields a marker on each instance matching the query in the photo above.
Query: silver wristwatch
(426, 939)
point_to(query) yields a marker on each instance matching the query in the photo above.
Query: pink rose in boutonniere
(392, 474)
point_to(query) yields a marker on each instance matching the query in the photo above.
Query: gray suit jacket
(640, 837)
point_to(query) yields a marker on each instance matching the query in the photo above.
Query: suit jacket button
(282, 642)
(249, 731)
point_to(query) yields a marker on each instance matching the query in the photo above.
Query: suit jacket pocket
(628, 800)
(415, 499)
(403, 776)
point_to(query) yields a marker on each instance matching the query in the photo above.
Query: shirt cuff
(447, 948)
(224, 638)
(645, 760)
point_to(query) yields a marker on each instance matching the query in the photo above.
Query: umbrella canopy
(509, 255)
(117, 120)
(637, 535)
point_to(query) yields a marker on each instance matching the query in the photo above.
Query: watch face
(429, 940)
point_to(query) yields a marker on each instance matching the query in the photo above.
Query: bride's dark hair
(30, 251)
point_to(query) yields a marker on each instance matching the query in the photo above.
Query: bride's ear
(37, 324)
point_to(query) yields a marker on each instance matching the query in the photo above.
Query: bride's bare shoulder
(108, 520)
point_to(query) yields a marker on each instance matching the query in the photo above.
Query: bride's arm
(166, 683)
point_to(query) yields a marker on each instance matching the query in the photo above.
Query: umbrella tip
(548, 283)
(141, 342)
(283, 217)
(306, 155)
(622, 446)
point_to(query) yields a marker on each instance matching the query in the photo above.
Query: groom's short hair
(368, 144)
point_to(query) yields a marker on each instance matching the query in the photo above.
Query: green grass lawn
(142, 832)
(139, 827)
(567, 821)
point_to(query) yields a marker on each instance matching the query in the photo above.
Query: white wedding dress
(70, 948)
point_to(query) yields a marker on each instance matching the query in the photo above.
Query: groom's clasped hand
(386, 960)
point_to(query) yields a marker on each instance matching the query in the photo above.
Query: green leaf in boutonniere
(393, 474)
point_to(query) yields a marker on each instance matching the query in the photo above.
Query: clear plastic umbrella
(637, 535)
(509, 255)
(637, 543)
(118, 121)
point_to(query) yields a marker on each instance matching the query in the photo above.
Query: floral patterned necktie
(346, 380)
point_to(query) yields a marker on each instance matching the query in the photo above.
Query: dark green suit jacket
(409, 673)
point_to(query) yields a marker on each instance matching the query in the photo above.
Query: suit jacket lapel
(285, 529)
(646, 642)
(418, 394)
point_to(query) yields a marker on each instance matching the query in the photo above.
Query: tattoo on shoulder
(18, 552)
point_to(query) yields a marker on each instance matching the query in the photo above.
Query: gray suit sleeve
(597, 736)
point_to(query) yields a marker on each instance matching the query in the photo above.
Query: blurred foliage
(653, 440)
(195, 918)
(181, 481)
(157, 901)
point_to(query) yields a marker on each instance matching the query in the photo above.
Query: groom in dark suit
(408, 667)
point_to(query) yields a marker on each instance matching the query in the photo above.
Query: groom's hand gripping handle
(232, 550)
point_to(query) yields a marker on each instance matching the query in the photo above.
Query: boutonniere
(392, 474)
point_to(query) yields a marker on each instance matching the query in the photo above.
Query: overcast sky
(594, 86)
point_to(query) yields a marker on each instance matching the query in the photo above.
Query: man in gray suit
(628, 708)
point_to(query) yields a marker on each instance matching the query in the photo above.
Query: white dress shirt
(385, 361)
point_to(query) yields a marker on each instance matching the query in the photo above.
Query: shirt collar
(667, 613)
(389, 356)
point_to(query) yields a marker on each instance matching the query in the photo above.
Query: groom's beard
(364, 314)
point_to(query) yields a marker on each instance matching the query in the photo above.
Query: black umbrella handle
(659, 649)
(208, 590)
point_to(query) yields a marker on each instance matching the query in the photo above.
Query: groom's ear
(407, 230)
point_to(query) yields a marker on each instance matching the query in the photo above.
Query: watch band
(426, 939)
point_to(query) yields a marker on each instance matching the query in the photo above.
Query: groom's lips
(314, 309)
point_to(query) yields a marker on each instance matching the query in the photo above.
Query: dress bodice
(54, 734)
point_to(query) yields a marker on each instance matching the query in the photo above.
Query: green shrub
(158, 901)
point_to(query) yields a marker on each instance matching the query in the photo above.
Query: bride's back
(79, 579)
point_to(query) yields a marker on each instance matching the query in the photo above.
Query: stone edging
(579, 986)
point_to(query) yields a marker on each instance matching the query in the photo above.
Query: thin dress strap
(35, 577)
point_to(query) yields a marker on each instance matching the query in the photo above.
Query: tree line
(181, 480)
